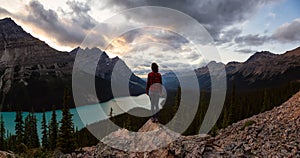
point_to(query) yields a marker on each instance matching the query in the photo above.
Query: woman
(154, 90)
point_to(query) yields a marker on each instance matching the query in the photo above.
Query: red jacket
(154, 77)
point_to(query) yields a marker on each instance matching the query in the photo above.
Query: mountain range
(33, 75)
(262, 70)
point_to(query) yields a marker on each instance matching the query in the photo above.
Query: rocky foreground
(4, 154)
(183, 146)
(274, 133)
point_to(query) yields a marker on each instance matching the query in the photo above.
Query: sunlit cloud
(119, 47)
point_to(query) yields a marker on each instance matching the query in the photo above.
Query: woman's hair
(154, 67)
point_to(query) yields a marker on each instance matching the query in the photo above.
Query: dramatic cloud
(246, 51)
(141, 39)
(66, 32)
(70, 31)
(286, 33)
(251, 40)
(4, 12)
(215, 16)
(289, 32)
(227, 36)
(80, 14)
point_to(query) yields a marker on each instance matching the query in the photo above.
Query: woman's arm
(160, 87)
(148, 84)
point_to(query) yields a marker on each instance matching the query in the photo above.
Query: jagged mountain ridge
(261, 70)
(265, 65)
(24, 61)
(265, 69)
(23, 54)
(36, 74)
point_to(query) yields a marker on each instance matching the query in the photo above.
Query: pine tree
(35, 136)
(214, 130)
(44, 127)
(76, 138)
(31, 137)
(203, 105)
(266, 102)
(231, 109)
(2, 134)
(53, 131)
(129, 124)
(11, 142)
(27, 130)
(225, 118)
(178, 97)
(175, 108)
(66, 141)
(19, 128)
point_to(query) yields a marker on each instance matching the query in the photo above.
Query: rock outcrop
(183, 146)
(274, 133)
(5, 154)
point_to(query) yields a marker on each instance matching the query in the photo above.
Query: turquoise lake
(85, 115)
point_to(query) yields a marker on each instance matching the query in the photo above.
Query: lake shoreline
(84, 115)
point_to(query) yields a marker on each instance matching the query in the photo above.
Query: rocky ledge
(274, 133)
(4, 154)
(184, 146)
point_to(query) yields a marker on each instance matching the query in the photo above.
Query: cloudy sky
(238, 28)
